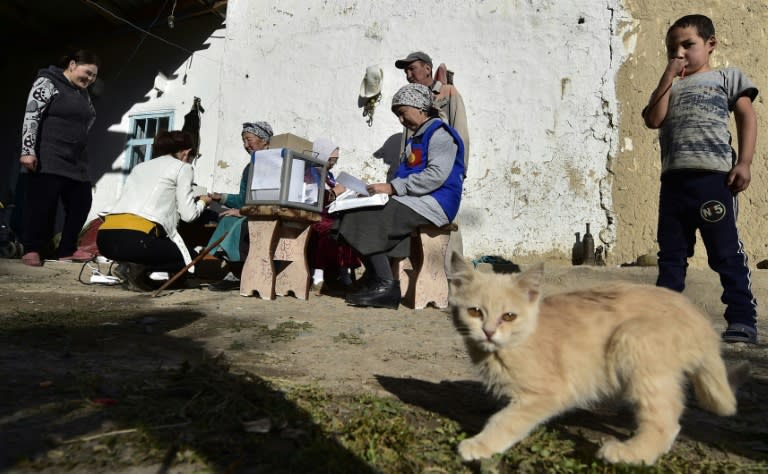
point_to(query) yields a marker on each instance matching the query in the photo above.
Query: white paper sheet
(350, 182)
(267, 166)
(296, 186)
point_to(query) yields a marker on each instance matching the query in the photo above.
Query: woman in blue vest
(57, 120)
(426, 190)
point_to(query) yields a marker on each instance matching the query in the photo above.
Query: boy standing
(701, 173)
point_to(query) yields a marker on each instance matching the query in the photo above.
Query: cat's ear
(530, 281)
(461, 271)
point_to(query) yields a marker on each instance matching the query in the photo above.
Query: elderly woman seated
(256, 136)
(426, 189)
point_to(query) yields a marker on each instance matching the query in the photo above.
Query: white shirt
(160, 190)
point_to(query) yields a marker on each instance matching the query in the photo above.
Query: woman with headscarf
(233, 248)
(325, 253)
(426, 190)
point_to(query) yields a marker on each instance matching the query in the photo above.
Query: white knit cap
(323, 148)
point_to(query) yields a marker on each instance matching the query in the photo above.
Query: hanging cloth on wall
(192, 125)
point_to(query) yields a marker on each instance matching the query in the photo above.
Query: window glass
(141, 129)
(144, 128)
(138, 154)
(151, 127)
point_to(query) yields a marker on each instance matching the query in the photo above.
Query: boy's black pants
(692, 200)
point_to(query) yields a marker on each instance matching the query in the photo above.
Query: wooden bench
(424, 281)
(277, 257)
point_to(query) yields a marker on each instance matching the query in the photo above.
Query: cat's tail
(714, 386)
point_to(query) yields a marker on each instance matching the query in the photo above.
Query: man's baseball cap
(415, 56)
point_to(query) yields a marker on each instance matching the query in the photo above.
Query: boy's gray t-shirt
(695, 133)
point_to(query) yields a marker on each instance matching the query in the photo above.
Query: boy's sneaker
(737, 332)
(133, 276)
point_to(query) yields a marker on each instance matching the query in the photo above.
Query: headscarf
(261, 129)
(323, 149)
(414, 95)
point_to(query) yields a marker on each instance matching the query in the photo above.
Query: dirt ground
(52, 326)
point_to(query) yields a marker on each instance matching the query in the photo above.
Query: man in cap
(446, 98)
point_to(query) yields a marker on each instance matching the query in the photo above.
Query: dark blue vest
(448, 195)
(63, 130)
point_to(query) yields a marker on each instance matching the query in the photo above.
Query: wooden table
(277, 257)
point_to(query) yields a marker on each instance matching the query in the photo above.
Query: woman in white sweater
(140, 231)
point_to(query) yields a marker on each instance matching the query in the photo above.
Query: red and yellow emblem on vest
(415, 158)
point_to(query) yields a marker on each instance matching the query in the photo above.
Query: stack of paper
(354, 202)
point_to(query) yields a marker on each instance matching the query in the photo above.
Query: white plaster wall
(537, 77)
(198, 76)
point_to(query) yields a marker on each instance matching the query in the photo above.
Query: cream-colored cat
(571, 350)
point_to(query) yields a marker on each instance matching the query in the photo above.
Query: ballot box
(288, 178)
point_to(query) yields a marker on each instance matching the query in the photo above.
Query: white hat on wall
(371, 84)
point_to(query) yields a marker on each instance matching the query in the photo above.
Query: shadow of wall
(125, 382)
(130, 62)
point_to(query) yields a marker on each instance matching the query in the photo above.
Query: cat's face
(493, 310)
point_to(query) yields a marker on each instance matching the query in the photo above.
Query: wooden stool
(277, 234)
(425, 281)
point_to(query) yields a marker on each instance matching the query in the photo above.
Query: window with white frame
(143, 128)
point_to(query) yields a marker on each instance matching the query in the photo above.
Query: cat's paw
(614, 451)
(472, 448)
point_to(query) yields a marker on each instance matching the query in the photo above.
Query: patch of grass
(396, 437)
(387, 434)
(186, 303)
(286, 331)
(195, 417)
(237, 346)
(348, 338)
(30, 321)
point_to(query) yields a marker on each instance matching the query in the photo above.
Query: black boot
(382, 293)
(362, 287)
(363, 283)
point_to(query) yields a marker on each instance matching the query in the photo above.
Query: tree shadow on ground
(463, 401)
(112, 390)
(746, 433)
(468, 404)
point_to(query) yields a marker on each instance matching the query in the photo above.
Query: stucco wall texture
(537, 78)
(741, 32)
(553, 92)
